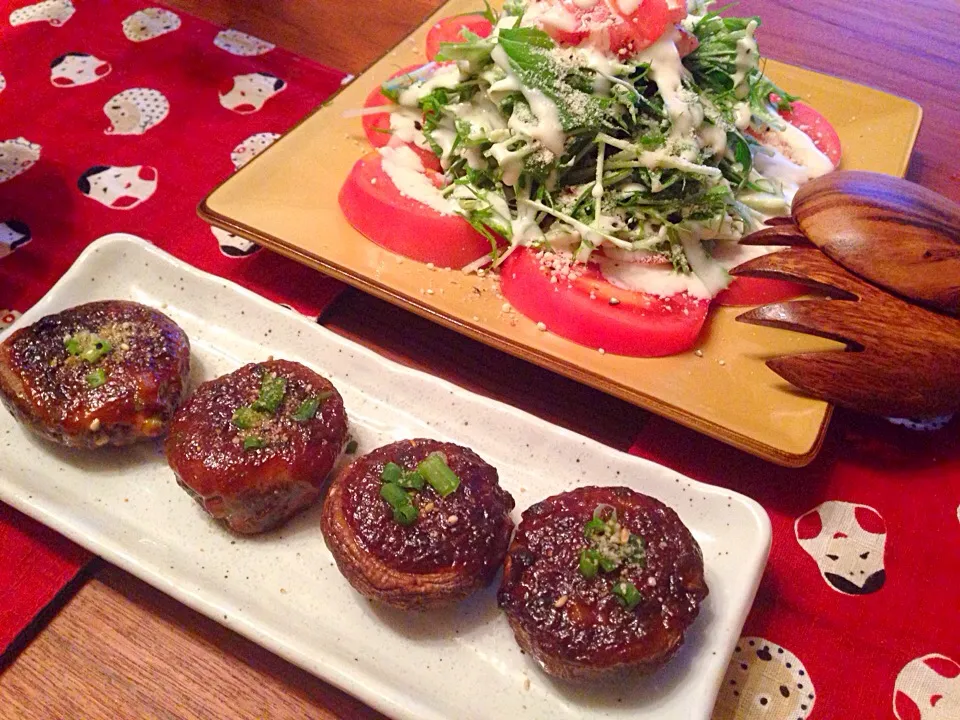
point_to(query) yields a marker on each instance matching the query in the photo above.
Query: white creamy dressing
(558, 17)
(714, 138)
(406, 171)
(447, 76)
(661, 280)
(403, 126)
(548, 129)
(742, 115)
(793, 159)
(667, 71)
(747, 53)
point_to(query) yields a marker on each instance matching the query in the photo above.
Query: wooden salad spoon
(886, 254)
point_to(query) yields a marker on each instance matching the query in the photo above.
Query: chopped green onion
(351, 447)
(411, 480)
(589, 563)
(272, 390)
(627, 594)
(97, 351)
(88, 346)
(307, 410)
(609, 564)
(406, 514)
(391, 473)
(253, 442)
(96, 378)
(246, 417)
(594, 527)
(436, 472)
(394, 495)
(404, 511)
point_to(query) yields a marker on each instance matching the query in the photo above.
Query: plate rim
(324, 668)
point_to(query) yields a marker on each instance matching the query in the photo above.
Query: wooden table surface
(116, 648)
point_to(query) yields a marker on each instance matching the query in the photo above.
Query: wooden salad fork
(885, 254)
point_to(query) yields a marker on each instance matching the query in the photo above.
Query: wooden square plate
(286, 200)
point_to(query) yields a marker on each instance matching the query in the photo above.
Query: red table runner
(116, 116)
(857, 613)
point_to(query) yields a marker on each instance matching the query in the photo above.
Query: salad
(604, 156)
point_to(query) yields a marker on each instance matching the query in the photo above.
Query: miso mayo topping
(406, 171)
(661, 280)
(548, 129)
(447, 76)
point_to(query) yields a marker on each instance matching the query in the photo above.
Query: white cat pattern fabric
(55, 12)
(239, 43)
(136, 110)
(13, 235)
(75, 69)
(251, 147)
(16, 157)
(149, 24)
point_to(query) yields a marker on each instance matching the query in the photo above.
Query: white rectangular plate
(283, 591)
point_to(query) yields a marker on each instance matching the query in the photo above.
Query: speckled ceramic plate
(283, 591)
(286, 199)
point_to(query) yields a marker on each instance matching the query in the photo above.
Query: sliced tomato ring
(622, 26)
(451, 30)
(677, 10)
(376, 208)
(637, 324)
(759, 291)
(817, 127)
(377, 126)
(687, 42)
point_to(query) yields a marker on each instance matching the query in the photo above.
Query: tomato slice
(817, 127)
(621, 26)
(451, 30)
(759, 291)
(377, 126)
(687, 42)
(639, 325)
(375, 207)
(677, 10)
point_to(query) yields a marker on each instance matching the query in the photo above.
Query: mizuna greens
(619, 157)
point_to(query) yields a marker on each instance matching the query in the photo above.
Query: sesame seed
(428, 507)
(505, 307)
(124, 346)
(399, 260)
(476, 318)
(722, 362)
(542, 327)
(560, 601)
(601, 351)
(373, 181)
(429, 291)
(698, 353)
(614, 301)
(95, 425)
(431, 266)
(526, 683)
(652, 581)
(452, 520)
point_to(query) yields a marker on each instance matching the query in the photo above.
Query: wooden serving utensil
(886, 254)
